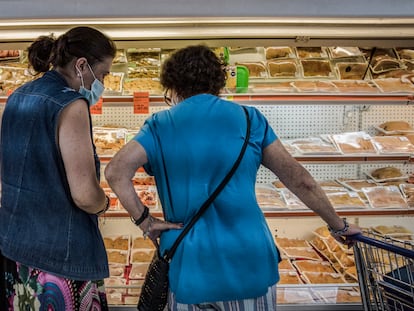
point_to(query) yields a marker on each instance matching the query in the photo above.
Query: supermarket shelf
(283, 98)
(304, 213)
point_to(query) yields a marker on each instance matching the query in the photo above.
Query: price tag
(141, 102)
(97, 108)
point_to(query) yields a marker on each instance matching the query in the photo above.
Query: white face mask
(96, 91)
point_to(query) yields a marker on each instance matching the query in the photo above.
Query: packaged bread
(322, 232)
(290, 242)
(314, 86)
(116, 270)
(285, 264)
(393, 144)
(348, 199)
(311, 52)
(108, 140)
(147, 195)
(354, 142)
(338, 295)
(134, 287)
(114, 298)
(113, 82)
(140, 242)
(289, 277)
(406, 54)
(317, 68)
(286, 68)
(138, 270)
(278, 52)
(315, 145)
(408, 192)
(394, 85)
(344, 52)
(286, 295)
(313, 266)
(357, 86)
(141, 255)
(383, 173)
(150, 85)
(117, 256)
(117, 242)
(256, 69)
(301, 253)
(323, 278)
(395, 127)
(357, 184)
(352, 71)
(131, 300)
(392, 230)
(115, 285)
(385, 197)
(291, 200)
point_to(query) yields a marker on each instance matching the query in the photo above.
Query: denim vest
(40, 225)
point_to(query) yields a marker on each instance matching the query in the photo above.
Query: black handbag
(154, 291)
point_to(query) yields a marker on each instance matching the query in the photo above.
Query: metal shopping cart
(385, 267)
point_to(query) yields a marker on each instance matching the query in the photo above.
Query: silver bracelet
(341, 231)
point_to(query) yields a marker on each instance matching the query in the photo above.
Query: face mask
(96, 91)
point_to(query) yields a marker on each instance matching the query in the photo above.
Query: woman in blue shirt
(229, 259)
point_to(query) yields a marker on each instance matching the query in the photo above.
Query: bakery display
(385, 197)
(352, 71)
(286, 68)
(387, 173)
(278, 52)
(393, 145)
(354, 143)
(317, 68)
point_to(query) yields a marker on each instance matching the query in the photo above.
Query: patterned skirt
(27, 289)
(266, 302)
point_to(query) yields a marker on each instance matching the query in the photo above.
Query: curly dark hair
(193, 70)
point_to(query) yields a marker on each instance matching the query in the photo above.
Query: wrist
(340, 231)
(106, 206)
(143, 216)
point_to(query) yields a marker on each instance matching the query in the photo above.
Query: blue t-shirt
(229, 254)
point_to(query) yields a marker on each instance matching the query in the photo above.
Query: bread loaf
(386, 172)
(396, 126)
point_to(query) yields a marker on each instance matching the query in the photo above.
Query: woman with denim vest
(228, 260)
(52, 254)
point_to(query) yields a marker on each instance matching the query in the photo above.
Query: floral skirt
(27, 289)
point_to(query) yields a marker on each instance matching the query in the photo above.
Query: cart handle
(384, 245)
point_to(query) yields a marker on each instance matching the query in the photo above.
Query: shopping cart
(385, 267)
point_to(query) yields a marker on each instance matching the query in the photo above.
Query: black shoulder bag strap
(169, 253)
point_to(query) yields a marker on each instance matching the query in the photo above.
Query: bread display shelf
(310, 99)
(306, 213)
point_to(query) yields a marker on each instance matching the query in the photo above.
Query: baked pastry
(278, 52)
(386, 172)
(117, 257)
(117, 242)
(140, 242)
(282, 68)
(256, 69)
(313, 266)
(323, 278)
(396, 126)
(316, 68)
(289, 277)
(352, 71)
(140, 256)
(310, 52)
(286, 242)
(138, 271)
(285, 264)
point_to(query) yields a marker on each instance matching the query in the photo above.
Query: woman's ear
(81, 63)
